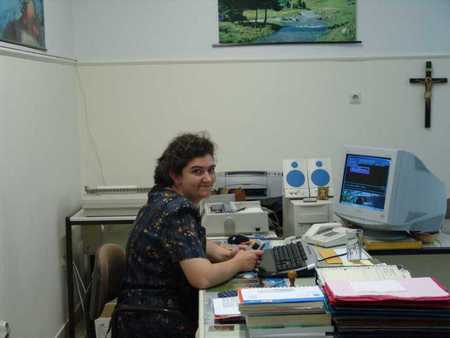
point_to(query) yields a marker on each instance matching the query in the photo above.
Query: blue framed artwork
(22, 22)
(252, 22)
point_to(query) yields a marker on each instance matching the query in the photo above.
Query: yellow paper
(324, 252)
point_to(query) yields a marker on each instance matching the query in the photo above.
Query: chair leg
(90, 324)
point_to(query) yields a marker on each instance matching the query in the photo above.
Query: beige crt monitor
(389, 190)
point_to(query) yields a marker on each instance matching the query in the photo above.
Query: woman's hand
(247, 259)
(218, 253)
(204, 273)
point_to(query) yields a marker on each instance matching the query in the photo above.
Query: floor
(80, 330)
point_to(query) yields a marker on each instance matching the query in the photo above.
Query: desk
(420, 262)
(80, 219)
(431, 260)
(417, 261)
(206, 326)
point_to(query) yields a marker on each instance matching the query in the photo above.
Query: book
(292, 320)
(280, 295)
(278, 332)
(407, 243)
(280, 308)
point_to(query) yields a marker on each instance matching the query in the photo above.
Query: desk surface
(207, 327)
(439, 245)
(80, 218)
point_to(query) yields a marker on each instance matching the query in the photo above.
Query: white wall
(117, 30)
(59, 27)
(39, 179)
(259, 113)
(261, 104)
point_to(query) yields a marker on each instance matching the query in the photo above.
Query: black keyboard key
(289, 256)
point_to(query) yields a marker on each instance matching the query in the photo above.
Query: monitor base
(386, 236)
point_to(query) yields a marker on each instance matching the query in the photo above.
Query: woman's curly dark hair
(180, 151)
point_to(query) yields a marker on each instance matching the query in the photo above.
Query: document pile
(284, 312)
(226, 310)
(406, 307)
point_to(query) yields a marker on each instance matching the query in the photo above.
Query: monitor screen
(364, 183)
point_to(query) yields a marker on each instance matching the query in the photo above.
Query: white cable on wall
(91, 136)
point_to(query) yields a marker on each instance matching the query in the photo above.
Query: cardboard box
(102, 322)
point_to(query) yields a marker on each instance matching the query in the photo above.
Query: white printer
(228, 218)
(257, 184)
(113, 200)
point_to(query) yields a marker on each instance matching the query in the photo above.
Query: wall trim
(447, 215)
(64, 330)
(35, 55)
(61, 332)
(259, 60)
(50, 58)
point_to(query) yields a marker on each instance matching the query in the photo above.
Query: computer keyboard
(279, 260)
(290, 256)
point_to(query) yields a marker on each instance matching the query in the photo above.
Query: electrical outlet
(4, 329)
(355, 98)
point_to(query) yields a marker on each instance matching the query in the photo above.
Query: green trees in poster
(232, 10)
(281, 21)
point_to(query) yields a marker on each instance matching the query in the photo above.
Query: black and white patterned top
(167, 230)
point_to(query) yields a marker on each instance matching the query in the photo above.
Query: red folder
(422, 292)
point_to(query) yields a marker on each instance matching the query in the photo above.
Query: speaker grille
(320, 177)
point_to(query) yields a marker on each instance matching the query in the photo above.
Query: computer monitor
(389, 190)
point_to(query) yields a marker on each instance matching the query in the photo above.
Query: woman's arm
(203, 274)
(217, 253)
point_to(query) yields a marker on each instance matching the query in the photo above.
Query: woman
(168, 257)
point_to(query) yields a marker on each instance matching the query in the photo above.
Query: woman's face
(196, 179)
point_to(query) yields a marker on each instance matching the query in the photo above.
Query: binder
(408, 292)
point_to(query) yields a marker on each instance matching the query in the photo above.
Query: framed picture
(249, 22)
(22, 22)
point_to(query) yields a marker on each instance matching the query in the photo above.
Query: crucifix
(428, 81)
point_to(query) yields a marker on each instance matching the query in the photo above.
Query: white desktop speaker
(295, 178)
(319, 175)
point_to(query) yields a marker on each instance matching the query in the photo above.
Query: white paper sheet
(381, 286)
(226, 306)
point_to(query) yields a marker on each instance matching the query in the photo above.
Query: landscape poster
(22, 22)
(286, 21)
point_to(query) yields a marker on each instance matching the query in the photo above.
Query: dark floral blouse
(167, 230)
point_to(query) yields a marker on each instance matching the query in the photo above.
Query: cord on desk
(273, 218)
(334, 256)
(313, 265)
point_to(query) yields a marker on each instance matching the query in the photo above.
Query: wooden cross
(428, 81)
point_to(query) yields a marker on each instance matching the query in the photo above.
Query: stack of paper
(226, 310)
(290, 311)
(362, 273)
(419, 305)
